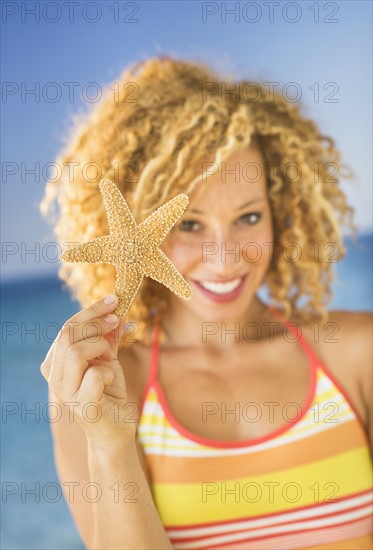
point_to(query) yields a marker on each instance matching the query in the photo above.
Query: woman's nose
(223, 250)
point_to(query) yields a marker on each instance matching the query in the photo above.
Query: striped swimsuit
(308, 484)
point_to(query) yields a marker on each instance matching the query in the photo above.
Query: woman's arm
(125, 515)
(99, 459)
(76, 467)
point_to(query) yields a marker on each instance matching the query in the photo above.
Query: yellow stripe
(153, 420)
(322, 481)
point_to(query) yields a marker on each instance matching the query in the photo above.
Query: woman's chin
(220, 313)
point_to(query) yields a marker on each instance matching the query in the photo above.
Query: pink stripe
(249, 530)
(287, 541)
(294, 542)
(328, 373)
(312, 364)
(303, 342)
(348, 400)
(244, 443)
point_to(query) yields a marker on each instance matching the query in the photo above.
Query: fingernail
(111, 319)
(110, 299)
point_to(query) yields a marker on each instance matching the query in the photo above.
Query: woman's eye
(251, 218)
(188, 225)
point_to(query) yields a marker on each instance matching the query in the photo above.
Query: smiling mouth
(219, 288)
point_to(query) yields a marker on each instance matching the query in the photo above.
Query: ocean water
(34, 513)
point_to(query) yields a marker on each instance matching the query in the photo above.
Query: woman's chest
(236, 398)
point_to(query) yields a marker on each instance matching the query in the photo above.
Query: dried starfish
(134, 249)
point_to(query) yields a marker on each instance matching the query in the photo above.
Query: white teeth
(221, 288)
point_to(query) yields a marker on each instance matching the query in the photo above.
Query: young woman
(224, 421)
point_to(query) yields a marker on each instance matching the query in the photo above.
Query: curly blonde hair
(152, 145)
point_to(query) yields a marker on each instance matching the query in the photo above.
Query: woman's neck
(182, 327)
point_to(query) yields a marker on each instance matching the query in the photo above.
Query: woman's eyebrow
(257, 199)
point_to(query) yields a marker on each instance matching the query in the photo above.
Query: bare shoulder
(355, 346)
(344, 344)
(347, 336)
(353, 324)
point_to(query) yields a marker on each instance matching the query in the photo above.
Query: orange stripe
(196, 469)
(362, 543)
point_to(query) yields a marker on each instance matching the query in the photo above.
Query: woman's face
(222, 245)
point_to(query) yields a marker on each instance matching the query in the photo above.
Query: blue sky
(305, 51)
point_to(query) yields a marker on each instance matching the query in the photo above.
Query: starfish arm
(158, 224)
(120, 220)
(96, 251)
(159, 268)
(128, 281)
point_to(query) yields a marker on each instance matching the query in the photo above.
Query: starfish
(134, 249)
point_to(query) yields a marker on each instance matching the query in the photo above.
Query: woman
(224, 421)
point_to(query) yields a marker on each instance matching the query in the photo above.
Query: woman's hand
(82, 370)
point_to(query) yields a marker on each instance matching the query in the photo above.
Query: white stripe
(153, 408)
(169, 447)
(318, 416)
(149, 429)
(323, 382)
(311, 524)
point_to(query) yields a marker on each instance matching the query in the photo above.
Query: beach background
(32, 308)
(76, 50)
